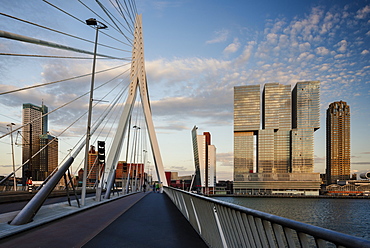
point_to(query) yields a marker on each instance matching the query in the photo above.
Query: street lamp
(97, 25)
(11, 141)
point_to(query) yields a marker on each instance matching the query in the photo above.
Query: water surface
(350, 216)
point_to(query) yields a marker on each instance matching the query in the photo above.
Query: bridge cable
(111, 18)
(120, 11)
(48, 56)
(60, 32)
(107, 22)
(129, 14)
(12, 36)
(59, 81)
(38, 118)
(65, 12)
(65, 128)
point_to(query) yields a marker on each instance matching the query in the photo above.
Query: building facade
(93, 166)
(338, 142)
(39, 148)
(273, 138)
(205, 162)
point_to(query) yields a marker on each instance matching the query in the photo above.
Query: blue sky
(197, 51)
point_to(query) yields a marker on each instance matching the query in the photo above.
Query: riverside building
(273, 138)
(338, 143)
(205, 162)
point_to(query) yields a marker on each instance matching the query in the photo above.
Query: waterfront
(348, 216)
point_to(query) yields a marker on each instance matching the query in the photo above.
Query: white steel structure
(138, 81)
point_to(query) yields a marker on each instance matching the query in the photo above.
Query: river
(350, 216)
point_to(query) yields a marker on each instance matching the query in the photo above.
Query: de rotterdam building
(273, 138)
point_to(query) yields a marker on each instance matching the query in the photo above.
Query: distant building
(92, 166)
(205, 162)
(133, 172)
(224, 187)
(273, 138)
(48, 156)
(338, 142)
(35, 137)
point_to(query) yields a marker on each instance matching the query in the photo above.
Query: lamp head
(92, 22)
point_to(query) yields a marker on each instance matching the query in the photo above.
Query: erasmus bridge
(115, 109)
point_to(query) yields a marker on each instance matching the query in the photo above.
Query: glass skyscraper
(338, 143)
(273, 133)
(305, 121)
(38, 165)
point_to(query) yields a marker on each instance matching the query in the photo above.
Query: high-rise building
(38, 165)
(273, 137)
(48, 156)
(205, 162)
(338, 143)
(305, 121)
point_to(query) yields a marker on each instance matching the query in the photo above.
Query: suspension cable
(60, 32)
(63, 80)
(110, 17)
(48, 56)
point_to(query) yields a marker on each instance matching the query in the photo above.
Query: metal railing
(223, 224)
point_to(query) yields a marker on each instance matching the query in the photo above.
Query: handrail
(223, 224)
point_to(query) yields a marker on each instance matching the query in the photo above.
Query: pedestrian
(161, 187)
(156, 187)
(144, 187)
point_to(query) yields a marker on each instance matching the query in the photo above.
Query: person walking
(144, 187)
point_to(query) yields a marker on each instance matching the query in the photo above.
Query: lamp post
(97, 25)
(136, 156)
(11, 141)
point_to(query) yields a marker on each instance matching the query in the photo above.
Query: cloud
(342, 46)
(362, 13)
(364, 52)
(322, 51)
(220, 36)
(247, 53)
(233, 47)
(225, 159)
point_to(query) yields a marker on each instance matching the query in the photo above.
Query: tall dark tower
(338, 142)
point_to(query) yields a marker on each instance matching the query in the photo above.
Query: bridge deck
(139, 220)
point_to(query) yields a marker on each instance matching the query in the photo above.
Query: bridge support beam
(33, 206)
(138, 81)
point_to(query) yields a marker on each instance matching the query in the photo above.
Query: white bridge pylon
(137, 81)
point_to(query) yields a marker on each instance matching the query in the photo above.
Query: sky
(196, 52)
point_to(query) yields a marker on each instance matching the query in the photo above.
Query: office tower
(205, 162)
(273, 137)
(246, 125)
(48, 156)
(35, 137)
(305, 121)
(247, 108)
(338, 143)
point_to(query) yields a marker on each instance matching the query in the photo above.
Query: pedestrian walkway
(153, 222)
(138, 220)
